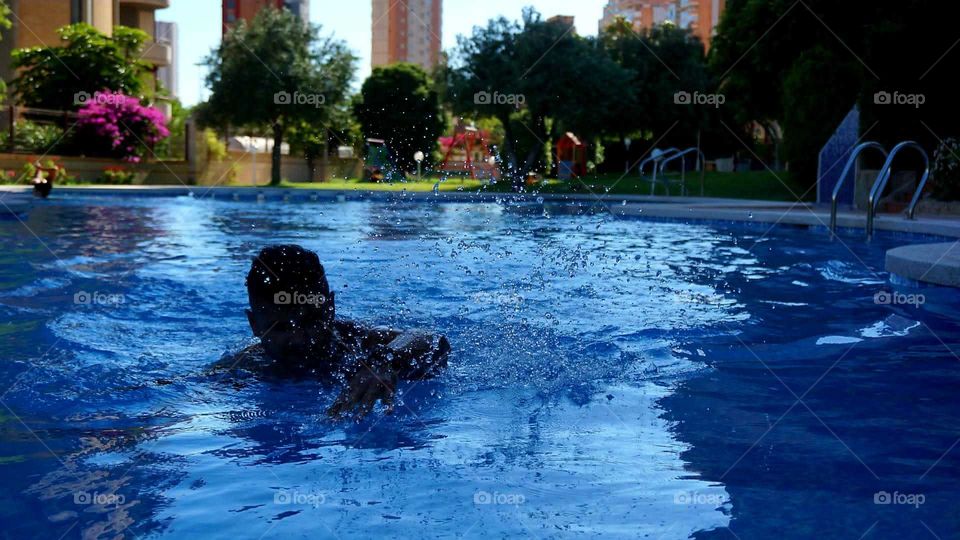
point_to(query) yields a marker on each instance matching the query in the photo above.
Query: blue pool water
(611, 377)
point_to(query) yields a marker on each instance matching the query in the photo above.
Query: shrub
(946, 171)
(32, 137)
(120, 128)
(9, 176)
(118, 176)
(61, 77)
(216, 149)
(29, 171)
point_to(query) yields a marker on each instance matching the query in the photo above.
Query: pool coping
(929, 263)
(17, 199)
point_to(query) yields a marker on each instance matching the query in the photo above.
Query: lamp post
(492, 161)
(626, 142)
(418, 157)
(253, 143)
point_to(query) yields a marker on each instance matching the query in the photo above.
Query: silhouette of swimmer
(292, 312)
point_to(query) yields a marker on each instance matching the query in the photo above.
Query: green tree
(400, 105)
(56, 77)
(315, 141)
(5, 24)
(538, 79)
(275, 73)
(661, 62)
(173, 146)
(804, 65)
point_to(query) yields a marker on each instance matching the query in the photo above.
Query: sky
(350, 21)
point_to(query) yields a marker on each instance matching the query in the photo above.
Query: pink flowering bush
(114, 125)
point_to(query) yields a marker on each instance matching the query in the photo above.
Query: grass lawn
(759, 185)
(453, 184)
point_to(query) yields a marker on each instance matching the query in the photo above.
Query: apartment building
(234, 10)
(168, 34)
(407, 31)
(700, 16)
(35, 24)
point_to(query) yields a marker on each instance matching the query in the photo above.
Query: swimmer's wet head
(292, 309)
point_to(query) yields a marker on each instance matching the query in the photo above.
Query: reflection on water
(600, 383)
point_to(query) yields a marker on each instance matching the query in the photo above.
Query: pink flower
(119, 126)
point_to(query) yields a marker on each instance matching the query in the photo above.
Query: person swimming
(293, 313)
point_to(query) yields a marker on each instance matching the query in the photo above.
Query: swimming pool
(610, 378)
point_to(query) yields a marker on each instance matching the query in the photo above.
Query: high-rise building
(567, 21)
(700, 16)
(407, 31)
(35, 24)
(234, 10)
(167, 75)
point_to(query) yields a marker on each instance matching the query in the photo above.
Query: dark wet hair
(290, 276)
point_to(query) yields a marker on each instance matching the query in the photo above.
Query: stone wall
(236, 169)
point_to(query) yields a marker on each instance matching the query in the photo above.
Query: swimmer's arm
(409, 356)
(418, 355)
(413, 355)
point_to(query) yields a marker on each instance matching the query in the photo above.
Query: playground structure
(467, 151)
(571, 157)
(377, 160)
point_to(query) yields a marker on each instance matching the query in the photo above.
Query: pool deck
(931, 263)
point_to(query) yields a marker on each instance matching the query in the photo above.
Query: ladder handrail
(655, 158)
(683, 174)
(851, 162)
(912, 209)
(881, 183)
(701, 156)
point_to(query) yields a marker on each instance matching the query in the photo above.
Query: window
(76, 11)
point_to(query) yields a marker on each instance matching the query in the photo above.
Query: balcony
(158, 54)
(147, 4)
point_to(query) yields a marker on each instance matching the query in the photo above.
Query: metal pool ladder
(880, 183)
(655, 159)
(683, 171)
(884, 177)
(853, 161)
